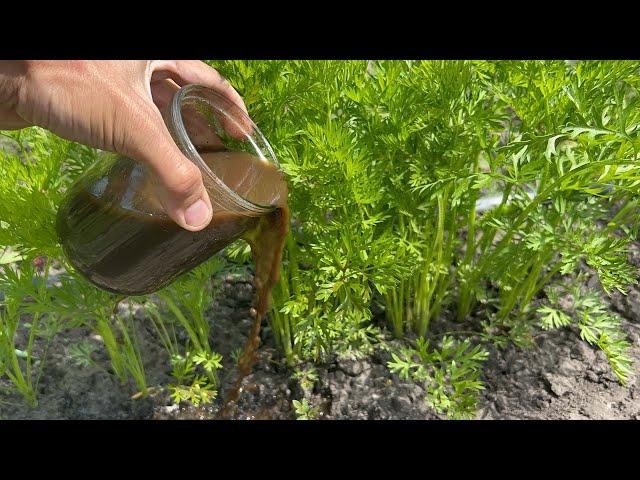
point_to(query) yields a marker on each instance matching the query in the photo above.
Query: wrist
(12, 74)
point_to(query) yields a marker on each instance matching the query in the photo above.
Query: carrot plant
(391, 164)
(341, 250)
(35, 169)
(304, 410)
(437, 190)
(184, 305)
(449, 374)
(17, 355)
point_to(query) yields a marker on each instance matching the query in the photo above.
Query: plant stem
(425, 301)
(542, 196)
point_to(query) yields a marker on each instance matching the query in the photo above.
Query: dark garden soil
(563, 378)
(560, 377)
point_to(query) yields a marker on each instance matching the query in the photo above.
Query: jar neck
(222, 197)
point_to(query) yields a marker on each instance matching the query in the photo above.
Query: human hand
(116, 106)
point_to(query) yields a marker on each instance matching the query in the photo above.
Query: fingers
(184, 72)
(202, 135)
(179, 182)
(162, 92)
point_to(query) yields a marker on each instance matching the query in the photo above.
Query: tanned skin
(116, 106)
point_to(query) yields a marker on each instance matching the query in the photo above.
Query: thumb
(179, 182)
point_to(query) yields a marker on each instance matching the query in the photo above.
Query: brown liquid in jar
(115, 235)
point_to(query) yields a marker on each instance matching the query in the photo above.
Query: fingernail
(196, 214)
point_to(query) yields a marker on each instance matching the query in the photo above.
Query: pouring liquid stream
(267, 242)
(122, 246)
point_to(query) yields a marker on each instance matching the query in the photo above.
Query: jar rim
(181, 137)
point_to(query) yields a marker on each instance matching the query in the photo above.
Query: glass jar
(112, 227)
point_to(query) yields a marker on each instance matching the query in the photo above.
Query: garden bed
(389, 164)
(560, 377)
